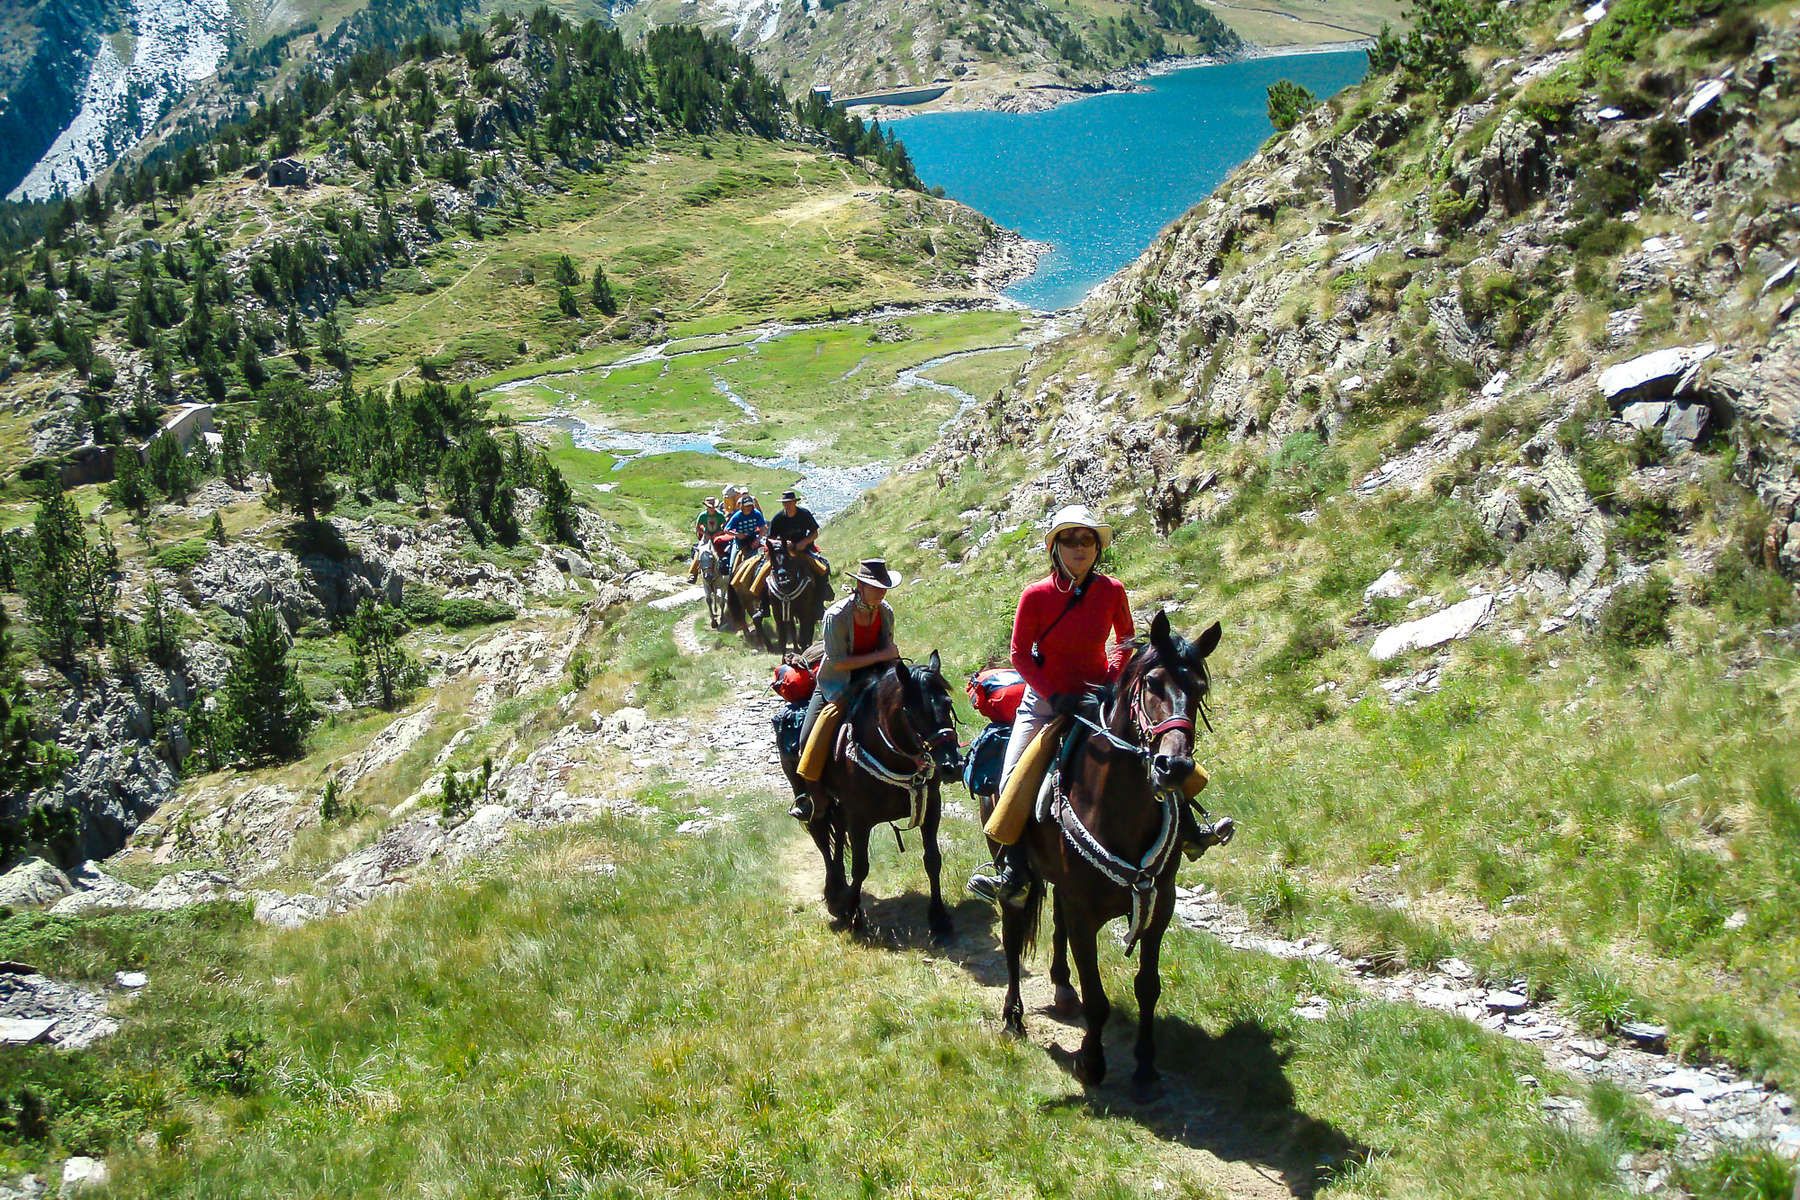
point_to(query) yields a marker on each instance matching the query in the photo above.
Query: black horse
(902, 743)
(794, 595)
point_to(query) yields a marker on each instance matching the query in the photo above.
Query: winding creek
(829, 489)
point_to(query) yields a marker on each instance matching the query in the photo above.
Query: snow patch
(178, 43)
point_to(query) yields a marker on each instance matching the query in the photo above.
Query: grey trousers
(1035, 712)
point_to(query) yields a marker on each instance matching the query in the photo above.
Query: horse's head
(1161, 691)
(930, 711)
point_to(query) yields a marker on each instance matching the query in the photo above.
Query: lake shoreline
(1024, 98)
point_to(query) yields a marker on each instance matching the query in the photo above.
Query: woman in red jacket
(1059, 645)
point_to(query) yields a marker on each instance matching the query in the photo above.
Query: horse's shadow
(1226, 1094)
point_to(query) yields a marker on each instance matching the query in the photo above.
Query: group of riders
(736, 529)
(1060, 646)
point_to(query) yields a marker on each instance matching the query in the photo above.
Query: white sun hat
(1078, 516)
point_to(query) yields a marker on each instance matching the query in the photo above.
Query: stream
(829, 490)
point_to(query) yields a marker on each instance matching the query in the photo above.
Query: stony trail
(727, 758)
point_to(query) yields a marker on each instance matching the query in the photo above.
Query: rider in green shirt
(709, 522)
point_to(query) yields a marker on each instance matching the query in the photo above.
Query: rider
(857, 631)
(748, 524)
(709, 522)
(1059, 646)
(796, 527)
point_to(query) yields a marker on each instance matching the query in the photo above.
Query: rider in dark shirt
(794, 525)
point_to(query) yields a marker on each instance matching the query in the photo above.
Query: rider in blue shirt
(748, 524)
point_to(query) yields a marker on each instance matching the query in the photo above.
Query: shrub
(1455, 540)
(183, 556)
(1288, 102)
(1551, 546)
(1751, 592)
(229, 1067)
(1638, 613)
(1644, 529)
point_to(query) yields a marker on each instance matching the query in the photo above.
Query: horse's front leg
(831, 850)
(936, 914)
(1148, 986)
(859, 871)
(1090, 1063)
(1015, 929)
(1066, 1000)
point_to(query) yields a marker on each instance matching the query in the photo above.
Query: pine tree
(556, 516)
(58, 564)
(233, 450)
(162, 644)
(266, 712)
(295, 450)
(24, 763)
(216, 531)
(129, 487)
(565, 272)
(383, 667)
(603, 293)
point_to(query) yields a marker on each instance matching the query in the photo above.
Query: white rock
(1493, 387)
(1457, 969)
(1390, 586)
(81, 1173)
(1782, 274)
(17, 1032)
(34, 882)
(1457, 621)
(1507, 1002)
(131, 979)
(679, 599)
(1705, 96)
(1610, 114)
(1659, 372)
(1594, 14)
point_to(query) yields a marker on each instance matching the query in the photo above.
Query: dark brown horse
(742, 604)
(1112, 844)
(794, 594)
(902, 743)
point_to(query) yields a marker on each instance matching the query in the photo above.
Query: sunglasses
(1078, 540)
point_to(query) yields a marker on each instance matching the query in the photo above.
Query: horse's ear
(936, 664)
(1159, 635)
(1209, 641)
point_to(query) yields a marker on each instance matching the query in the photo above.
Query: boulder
(1457, 621)
(32, 884)
(1390, 586)
(1659, 375)
(81, 1173)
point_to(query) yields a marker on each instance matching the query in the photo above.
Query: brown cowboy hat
(876, 573)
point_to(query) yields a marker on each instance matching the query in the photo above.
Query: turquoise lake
(1099, 177)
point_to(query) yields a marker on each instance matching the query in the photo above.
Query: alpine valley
(383, 815)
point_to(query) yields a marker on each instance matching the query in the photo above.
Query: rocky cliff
(1563, 297)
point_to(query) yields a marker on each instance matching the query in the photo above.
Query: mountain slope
(1469, 406)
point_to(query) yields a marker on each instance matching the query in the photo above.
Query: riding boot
(1011, 880)
(1198, 836)
(802, 808)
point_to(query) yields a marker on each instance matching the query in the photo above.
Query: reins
(1138, 878)
(917, 784)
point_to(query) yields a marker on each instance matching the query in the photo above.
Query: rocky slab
(1457, 621)
(1658, 375)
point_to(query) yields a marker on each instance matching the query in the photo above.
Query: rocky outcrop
(239, 578)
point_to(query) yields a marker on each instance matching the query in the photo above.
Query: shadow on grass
(898, 923)
(1227, 1095)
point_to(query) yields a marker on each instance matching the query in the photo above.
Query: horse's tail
(1034, 914)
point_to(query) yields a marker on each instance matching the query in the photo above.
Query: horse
(793, 589)
(1111, 845)
(743, 603)
(902, 742)
(712, 578)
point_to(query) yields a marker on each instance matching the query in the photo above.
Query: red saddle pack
(794, 682)
(996, 693)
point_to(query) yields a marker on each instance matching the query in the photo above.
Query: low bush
(183, 556)
(1638, 614)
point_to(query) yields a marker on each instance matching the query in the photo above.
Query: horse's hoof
(1067, 1001)
(942, 930)
(1014, 1027)
(1092, 1073)
(1146, 1089)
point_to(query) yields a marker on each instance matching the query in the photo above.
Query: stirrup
(802, 808)
(1007, 889)
(1207, 835)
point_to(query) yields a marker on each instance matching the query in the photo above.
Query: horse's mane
(1145, 655)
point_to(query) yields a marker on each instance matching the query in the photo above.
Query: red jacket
(1074, 648)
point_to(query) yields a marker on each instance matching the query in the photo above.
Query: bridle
(924, 767)
(1138, 878)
